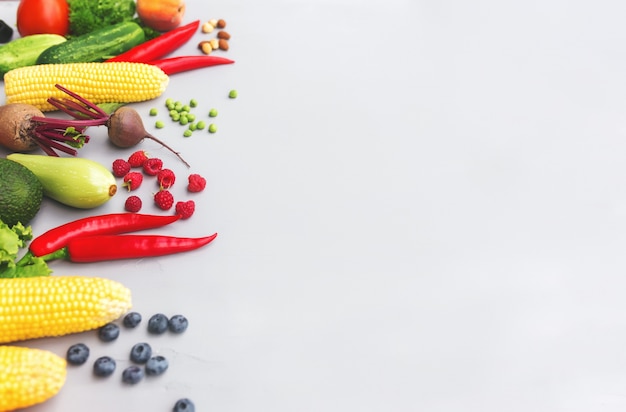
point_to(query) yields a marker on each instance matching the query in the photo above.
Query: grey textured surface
(421, 206)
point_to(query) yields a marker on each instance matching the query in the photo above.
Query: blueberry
(109, 332)
(184, 405)
(140, 353)
(104, 366)
(133, 374)
(132, 319)
(77, 354)
(157, 324)
(178, 324)
(156, 365)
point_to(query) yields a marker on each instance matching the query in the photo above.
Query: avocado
(21, 193)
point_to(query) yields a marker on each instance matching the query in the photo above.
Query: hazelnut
(205, 46)
(207, 27)
(221, 23)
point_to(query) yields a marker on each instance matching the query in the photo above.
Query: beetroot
(125, 127)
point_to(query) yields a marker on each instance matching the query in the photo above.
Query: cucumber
(24, 51)
(73, 181)
(96, 46)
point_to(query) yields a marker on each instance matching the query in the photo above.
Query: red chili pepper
(111, 247)
(173, 65)
(159, 46)
(110, 224)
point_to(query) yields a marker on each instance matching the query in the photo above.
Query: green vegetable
(153, 112)
(72, 181)
(193, 103)
(12, 240)
(87, 16)
(24, 51)
(212, 128)
(232, 94)
(95, 46)
(187, 133)
(21, 193)
(213, 113)
(159, 124)
(200, 125)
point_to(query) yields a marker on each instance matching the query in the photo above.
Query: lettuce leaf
(12, 241)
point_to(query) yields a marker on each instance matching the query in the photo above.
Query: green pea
(178, 106)
(212, 128)
(232, 94)
(200, 125)
(159, 124)
(187, 133)
(169, 101)
(193, 103)
(192, 126)
(175, 117)
(191, 117)
(183, 120)
(153, 112)
(186, 108)
(213, 113)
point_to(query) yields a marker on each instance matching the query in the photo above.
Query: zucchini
(73, 181)
(24, 51)
(96, 46)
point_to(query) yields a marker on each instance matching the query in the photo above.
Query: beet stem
(82, 100)
(55, 145)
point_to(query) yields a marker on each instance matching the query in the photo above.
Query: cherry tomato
(43, 17)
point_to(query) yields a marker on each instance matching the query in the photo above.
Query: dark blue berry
(109, 332)
(132, 319)
(140, 353)
(156, 365)
(184, 405)
(157, 324)
(178, 324)
(77, 354)
(133, 374)
(104, 366)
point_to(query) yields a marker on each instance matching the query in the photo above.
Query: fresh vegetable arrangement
(89, 61)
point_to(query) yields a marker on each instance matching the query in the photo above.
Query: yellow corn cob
(29, 376)
(114, 82)
(58, 305)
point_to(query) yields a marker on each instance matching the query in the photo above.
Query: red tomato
(43, 17)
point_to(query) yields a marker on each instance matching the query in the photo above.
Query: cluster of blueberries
(140, 353)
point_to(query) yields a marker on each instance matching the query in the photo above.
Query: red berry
(164, 199)
(132, 180)
(138, 158)
(152, 166)
(197, 183)
(166, 178)
(185, 209)
(120, 167)
(133, 204)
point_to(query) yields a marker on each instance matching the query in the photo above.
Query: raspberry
(152, 166)
(166, 178)
(133, 204)
(132, 180)
(120, 167)
(185, 209)
(138, 158)
(164, 199)
(197, 183)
